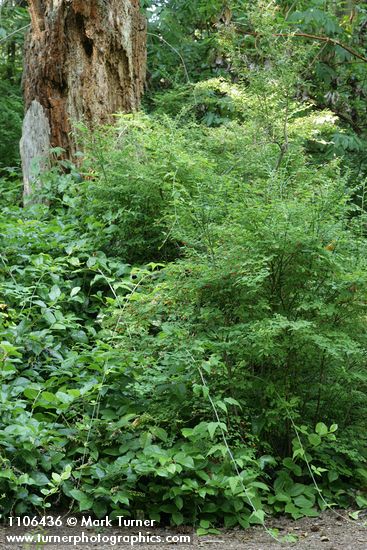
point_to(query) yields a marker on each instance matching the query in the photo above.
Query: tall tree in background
(83, 61)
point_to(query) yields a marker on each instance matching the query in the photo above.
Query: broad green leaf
(233, 483)
(74, 261)
(49, 317)
(31, 393)
(204, 523)
(85, 502)
(303, 502)
(171, 468)
(257, 516)
(314, 439)
(100, 508)
(159, 432)
(55, 293)
(48, 396)
(177, 518)
(321, 429)
(56, 477)
(74, 291)
(212, 426)
(64, 397)
(185, 460)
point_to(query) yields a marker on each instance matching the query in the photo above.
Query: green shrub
(183, 322)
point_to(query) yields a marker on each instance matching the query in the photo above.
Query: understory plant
(209, 371)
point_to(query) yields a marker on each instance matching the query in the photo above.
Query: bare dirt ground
(329, 532)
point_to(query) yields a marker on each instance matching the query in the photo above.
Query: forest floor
(329, 532)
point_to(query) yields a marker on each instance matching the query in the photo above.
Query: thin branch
(290, 9)
(285, 145)
(175, 50)
(326, 39)
(14, 32)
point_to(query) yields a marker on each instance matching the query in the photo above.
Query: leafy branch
(320, 38)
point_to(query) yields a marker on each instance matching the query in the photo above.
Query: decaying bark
(84, 60)
(35, 143)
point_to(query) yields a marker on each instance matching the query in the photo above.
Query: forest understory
(183, 293)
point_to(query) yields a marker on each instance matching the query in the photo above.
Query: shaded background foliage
(13, 16)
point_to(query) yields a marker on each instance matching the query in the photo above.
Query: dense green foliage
(12, 18)
(183, 320)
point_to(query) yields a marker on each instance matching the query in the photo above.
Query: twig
(326, 39)
(14, 32)
(285, 145)
(175, 50)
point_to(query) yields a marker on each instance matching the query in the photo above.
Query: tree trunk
(84, 61)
